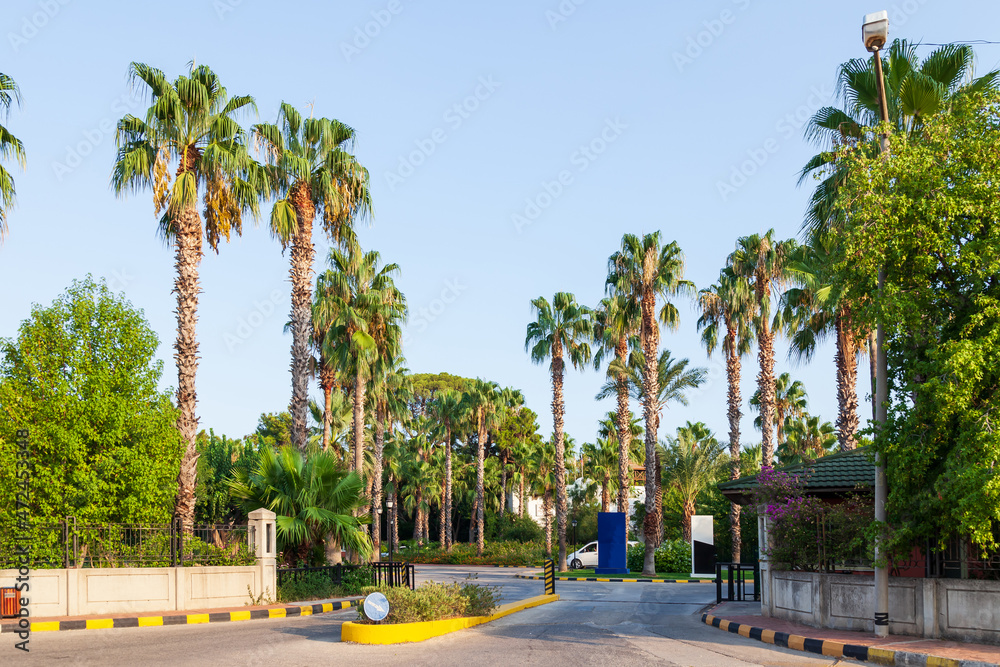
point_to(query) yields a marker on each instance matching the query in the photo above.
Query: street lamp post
(875, 32)
(388, 505)
(574, 534)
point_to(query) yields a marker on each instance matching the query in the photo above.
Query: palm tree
(692, 462)
(324, 315)
(808, 440)
(560, 331)
(543, 481)
(313, 496)
(817, 308)
(390, 389)
(366, 308)
(484, 400)
(790, 401)
(616, 320)
(448, 410)
(763, 262)
(914, 91)
(601, 463)
(725, 307)
(311, 170)
(643, 270)
(190, 123)
(10, 146)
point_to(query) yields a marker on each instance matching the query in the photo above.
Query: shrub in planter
(434, 601)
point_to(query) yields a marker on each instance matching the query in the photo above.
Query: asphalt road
(592, 624)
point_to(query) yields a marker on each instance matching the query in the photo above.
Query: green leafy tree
(10, 147)
(82, 377)
(643, 271)
(313, 496)
(808, 439)
(928, 218)
(190, 127)
(312, 172)
(218, 458)
(560, 331)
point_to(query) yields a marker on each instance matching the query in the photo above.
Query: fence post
(718, 582)
(550, 577)
(262, 522)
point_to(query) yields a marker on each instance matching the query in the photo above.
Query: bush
(354, 581)
(435, 601)
(513, 528)
(494, 553)
(671, 556)
(311, 586)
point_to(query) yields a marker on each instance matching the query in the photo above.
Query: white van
(586, 556)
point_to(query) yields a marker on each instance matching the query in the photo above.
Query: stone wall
(959, 609)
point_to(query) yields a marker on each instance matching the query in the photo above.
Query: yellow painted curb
(400, 633)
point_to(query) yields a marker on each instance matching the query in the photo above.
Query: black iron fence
(69, 543)
(383, 573)
(961, 559)
(737, 577)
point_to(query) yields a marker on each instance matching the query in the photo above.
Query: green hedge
(494, 553)
(671, 556)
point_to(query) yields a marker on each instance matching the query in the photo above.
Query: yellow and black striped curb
(621, 581)
(874, 654)
(182, 619)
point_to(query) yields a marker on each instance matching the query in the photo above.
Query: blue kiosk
(611, 543)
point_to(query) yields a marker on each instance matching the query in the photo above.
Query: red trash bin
(9, 605)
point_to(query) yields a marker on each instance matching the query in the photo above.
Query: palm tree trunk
(301, 315)
(687, 510)
(606, 493)
(480, 474)
(733, 376)
(377, 481)
(503, 486)
(443, 519)
(359, 421)
(624, 433)
(847, 381)
(557, 419)
(417, 523)
(522, 500)
(395, 516)
(547, 510)
(188, 254)
(650, 386)
(765, 385)
(327, 380)
(659, 500)
(447, 494)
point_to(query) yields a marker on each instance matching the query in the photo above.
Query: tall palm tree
(311, 171)
(616, 320)
(190, 123)
(484, 400)
(10, 147)
(815, 309)
(790, 401)
(726, 309)
(544, 481)
(763, 262)
(560, 331)
(390, 389)
(447, 409)
(324, 315)
(641, 272)
(692, 461)
(367, 308)
(914, 91)
(601, 463)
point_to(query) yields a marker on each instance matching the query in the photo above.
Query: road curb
(183, 619)
(873, 654)
(622, 581)
(401, 633)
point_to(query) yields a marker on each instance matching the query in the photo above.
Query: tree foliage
(82, 377)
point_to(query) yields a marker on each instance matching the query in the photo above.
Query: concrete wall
(121, 590)
(959, 609)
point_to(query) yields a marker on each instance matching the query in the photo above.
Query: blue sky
(510, 146)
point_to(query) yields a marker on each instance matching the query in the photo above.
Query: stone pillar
(261, 533)
(765, 569)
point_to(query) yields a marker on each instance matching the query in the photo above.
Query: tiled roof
(836, 472)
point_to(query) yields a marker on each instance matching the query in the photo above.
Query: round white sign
(376, 606)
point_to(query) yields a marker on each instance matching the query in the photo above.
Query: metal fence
(738, 575)
(960, 559)
(68, 543)
(383, 573)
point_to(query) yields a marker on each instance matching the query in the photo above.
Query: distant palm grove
(449, 459)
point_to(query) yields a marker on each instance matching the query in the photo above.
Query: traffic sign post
(376, 607)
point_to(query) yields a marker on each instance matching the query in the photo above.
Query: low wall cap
(262, 513)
